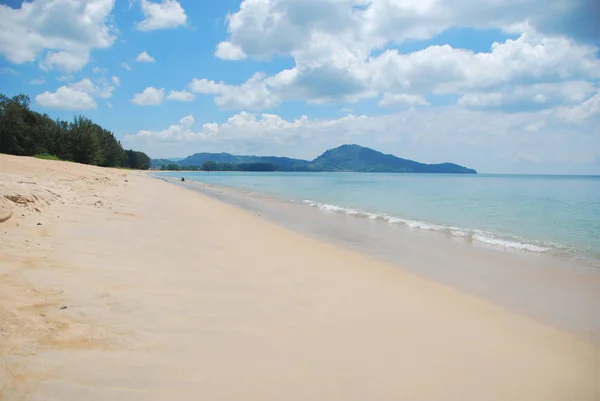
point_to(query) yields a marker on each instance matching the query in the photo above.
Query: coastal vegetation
(353, 158)
(24, 132)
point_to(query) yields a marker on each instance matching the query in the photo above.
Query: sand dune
(117, 286)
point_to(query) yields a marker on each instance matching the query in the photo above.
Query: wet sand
(121, 286)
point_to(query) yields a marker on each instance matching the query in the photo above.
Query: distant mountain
(156, 163)
(358, 158)
(284, 163)
(343, 158)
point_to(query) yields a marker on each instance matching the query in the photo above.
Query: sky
(509, 86)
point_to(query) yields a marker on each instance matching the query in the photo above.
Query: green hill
(343, 158)
(358, 158)
(284, 163)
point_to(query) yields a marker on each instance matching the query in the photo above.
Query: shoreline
(499, 240)
(169, 294)
(548, 288)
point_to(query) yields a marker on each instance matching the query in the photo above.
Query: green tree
(209, 166)
(85, 146)
(138, 160)
(13, 124)
(24, 132)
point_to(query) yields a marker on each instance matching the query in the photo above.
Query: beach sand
(118, 286)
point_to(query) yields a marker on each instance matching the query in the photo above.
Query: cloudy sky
(498, 85)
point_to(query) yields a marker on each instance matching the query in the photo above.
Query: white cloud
(149, 97)
(99, 70)
(77, 95)
(69, 30)
(64, 61)
(240, 127)
(37, 81)
(267, 27)
(403, 100)
(530, 97)
(181, 96)
(66, 98)
(584, 111)
(163, 15)
(206, 86)
(116, 81)
(253, 94)
(326, 72)
(339, 47)
(63, 78)
(144, 57)
(85, 85)
(126, 66)
(100, 88)
(229, 51)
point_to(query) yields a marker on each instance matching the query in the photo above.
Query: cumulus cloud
(149, 97)
(327, 76)
(588, 109)
(229, 51)
(126, 66)
(67, 30)
(163, 15)
(254, 94)
(64, 61)
(403, 100)
(244, 127)
(99, 88)
(264, 28)
(339, 47)
(144, 57)
(531, 97)
(116, 81)
(66, 98)
(327, 71)
(77, 95)
(181, 96)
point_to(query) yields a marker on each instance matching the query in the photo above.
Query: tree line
(24, 132)
(215, 166)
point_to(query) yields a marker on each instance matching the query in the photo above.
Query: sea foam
(485, 237)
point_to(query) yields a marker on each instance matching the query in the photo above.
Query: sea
(529, 243)
(558, 215)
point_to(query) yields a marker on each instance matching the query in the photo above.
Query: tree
(209, 166)
(138, 160)
(85, 144)
(24, 132)
(13, 126)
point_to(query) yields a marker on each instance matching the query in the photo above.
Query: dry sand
(170, 295)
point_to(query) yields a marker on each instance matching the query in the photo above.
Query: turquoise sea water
(545, 214)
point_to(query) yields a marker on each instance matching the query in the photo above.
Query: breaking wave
(486, 237)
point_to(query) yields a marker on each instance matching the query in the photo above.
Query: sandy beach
(118, 286)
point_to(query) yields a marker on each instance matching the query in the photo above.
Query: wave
(485, 237)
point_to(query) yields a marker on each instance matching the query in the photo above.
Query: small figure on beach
(182, 179)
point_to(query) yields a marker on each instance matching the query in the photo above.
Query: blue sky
(502, 87)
